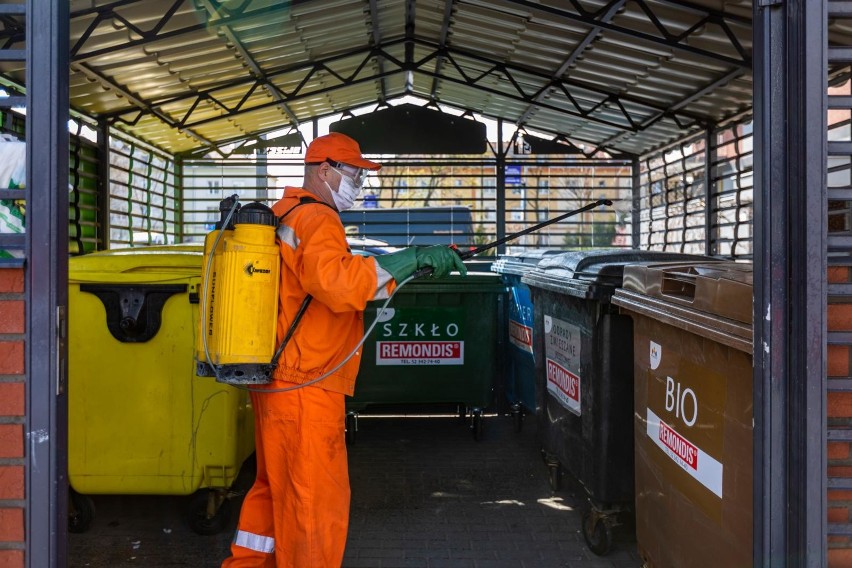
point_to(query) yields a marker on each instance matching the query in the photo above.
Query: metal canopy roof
(622, 76)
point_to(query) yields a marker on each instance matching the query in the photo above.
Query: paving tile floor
(425, 494)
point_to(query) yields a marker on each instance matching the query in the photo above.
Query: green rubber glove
(442, 260)
(400, 264)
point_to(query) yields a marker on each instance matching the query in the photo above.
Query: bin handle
(679, 285)
(133, 312)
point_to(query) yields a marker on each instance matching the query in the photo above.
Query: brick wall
(12, 407)
(839, 411)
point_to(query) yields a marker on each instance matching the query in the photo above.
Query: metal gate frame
(790, 282)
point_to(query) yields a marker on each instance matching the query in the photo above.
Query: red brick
(11, 441)
(11, 482)
(11, 357)
(838, 361)
(12, 316)
(839, 471)
(12, 558)
(838, 450)
(11, 525)
(840, 558)
(11, 280)
(837, 495)
(11, 399)
(839, 317)
(839, 404)
(838, 274)
(838, 515)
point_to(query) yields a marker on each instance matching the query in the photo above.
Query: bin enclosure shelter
(727, 155)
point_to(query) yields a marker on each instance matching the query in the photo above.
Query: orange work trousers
(296, 514)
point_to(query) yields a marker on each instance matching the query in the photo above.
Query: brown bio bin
(692, 345)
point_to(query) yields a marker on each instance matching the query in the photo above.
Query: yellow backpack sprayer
(239, 294)
(239, 306)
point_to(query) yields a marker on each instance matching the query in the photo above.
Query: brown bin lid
(721, 288)
(710, 299)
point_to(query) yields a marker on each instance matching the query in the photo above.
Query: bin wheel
(462, 412)
(518, 419)
(81, 512)
(476, 425)
(554, 475)
(597, 533)
(351, 427)
(209, 512)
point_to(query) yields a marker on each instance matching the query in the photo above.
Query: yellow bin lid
(140, 264)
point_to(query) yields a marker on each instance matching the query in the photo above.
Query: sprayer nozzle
(606, 202)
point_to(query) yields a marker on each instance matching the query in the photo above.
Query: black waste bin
(520, 378)
(693, 403)
(584, 366)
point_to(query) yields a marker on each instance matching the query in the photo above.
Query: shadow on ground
(425, 494)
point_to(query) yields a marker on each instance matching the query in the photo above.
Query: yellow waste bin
(139, 420)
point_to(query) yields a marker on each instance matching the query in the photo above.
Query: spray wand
(422, 272)
(471, 253)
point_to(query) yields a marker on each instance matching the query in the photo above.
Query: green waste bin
(693, 411)
(139, 420)
(439, 341)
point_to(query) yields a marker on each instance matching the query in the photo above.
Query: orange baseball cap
(338, 147)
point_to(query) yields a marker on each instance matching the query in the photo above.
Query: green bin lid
(594, 273)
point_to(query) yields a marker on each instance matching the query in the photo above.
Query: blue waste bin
(520, 377)
(584, 367)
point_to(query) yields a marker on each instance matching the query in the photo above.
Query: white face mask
(346, 194)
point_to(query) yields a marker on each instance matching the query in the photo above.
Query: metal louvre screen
(84, 164)
(732, 191)
(437, 200)
(538, 190)
(207, 182)
(679, 212)
(672, 197)
(839, 315)
(143, 207)
(83, 197)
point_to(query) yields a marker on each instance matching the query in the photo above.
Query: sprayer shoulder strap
(304, 200)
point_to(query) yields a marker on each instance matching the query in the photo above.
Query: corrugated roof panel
(136, 61)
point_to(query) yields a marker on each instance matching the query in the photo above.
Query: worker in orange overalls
(296, 514)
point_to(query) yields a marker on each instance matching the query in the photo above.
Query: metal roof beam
(552, 82)
(377, 41)
(157, 34)
(674, 41)
(442, 42)
(586, 115)
(252, 64)
(505, 70)
(320, 116)
(144, 107)
(109, 15)
(611, 10)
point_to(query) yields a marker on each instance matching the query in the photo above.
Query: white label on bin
(564, 386)
(562, 345)
(520, 335)
(692, 459)
(656, 354)
(420, 353)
